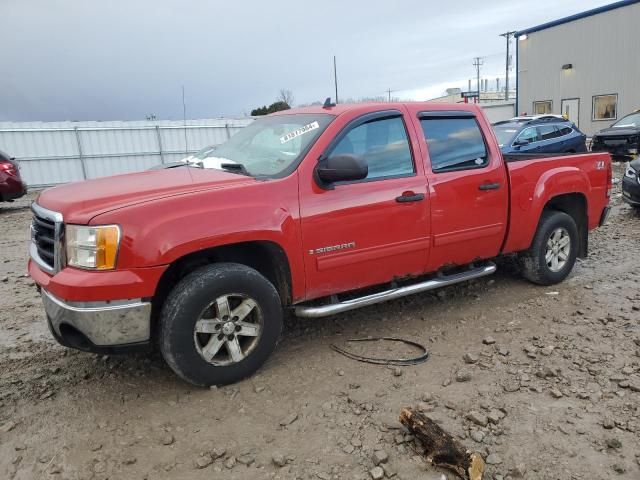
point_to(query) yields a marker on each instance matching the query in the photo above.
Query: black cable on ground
(385, 361)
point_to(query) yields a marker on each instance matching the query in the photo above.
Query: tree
(285, 96)
(256, 112)
(274, 107)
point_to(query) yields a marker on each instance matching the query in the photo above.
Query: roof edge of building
(577, 16)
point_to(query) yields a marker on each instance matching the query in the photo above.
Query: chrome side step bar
(309, 311)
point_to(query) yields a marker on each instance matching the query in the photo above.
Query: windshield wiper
(235, 168)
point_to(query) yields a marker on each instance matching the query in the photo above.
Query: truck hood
(618, 132)
(79, 202)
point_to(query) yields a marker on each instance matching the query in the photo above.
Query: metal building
(586, 66)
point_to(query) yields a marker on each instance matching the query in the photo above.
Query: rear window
(454, 144)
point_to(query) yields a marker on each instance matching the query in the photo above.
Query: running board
(438, 282)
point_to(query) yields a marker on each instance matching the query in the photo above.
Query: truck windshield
(269, 147)
(506, 132)
(632, 120)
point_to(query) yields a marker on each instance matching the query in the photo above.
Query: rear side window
(548, 132)
(383, 144)
(454, 144)
(565, 130)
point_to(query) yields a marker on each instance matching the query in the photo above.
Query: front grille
(46, 232)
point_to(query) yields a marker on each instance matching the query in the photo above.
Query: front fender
(162, 231)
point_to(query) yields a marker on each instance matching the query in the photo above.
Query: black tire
(532, 262)
(185, 305)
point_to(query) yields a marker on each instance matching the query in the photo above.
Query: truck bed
(536, 176)
(519, 157)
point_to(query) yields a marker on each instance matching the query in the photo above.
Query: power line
(389, 92)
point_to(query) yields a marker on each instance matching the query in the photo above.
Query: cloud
(122, 59)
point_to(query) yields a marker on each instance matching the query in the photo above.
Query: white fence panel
(59, 152)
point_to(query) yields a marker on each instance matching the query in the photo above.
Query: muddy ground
(545, 382)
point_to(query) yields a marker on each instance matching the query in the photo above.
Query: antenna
(328, 104)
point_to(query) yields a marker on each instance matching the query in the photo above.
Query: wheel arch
(575, 205)
(265, 256)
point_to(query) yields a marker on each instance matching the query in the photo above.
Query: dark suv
(631, 183)
(11, 185)
(621, 138)
(544, 134)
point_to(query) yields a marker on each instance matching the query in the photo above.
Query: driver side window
(530, 134)
(383, 144)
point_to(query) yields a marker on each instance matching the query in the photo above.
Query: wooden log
(442, 450)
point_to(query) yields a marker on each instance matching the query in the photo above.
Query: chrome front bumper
(104, 324)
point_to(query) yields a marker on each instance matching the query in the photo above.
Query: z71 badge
(333, 248)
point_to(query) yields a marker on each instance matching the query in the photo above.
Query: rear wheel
(554, 249)
(220, 324)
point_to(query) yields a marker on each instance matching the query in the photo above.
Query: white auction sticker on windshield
(300, 131)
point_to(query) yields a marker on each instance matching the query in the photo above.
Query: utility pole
(335, 77)
(184, 122)
(477, 62)
(508, 36)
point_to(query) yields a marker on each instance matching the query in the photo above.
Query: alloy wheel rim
(228, 329)
(558, 249)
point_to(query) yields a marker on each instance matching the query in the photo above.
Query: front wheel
(553, 251)
(220, 324)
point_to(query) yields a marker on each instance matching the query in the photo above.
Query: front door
(370, 231)
(528, 141)
(468, 188)
(571, 110)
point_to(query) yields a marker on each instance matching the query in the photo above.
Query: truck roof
(377, 106)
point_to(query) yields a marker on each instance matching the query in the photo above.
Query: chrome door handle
(489, 186)
(410, 197)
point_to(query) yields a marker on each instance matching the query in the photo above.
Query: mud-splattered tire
(220, 324)
(554, 249)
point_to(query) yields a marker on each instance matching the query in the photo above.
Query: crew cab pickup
(313, 211)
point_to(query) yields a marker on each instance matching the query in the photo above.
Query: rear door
(370, 231)
(550, 141)
(468, 187)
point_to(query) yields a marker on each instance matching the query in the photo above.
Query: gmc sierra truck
(313, 211)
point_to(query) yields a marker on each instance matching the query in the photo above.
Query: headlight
(629, 171)
(94, 248)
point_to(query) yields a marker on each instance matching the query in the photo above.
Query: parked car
(539, 134)
(631, 183)
(307, 209)
(11, 185)
(621, 138)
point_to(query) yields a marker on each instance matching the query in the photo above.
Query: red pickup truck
(302, 211)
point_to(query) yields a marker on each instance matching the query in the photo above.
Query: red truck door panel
(370, 231)
(468, 186)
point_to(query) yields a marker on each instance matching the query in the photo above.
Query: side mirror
(521, 143)
(342, 168)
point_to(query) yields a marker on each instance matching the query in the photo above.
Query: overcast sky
(125, 59)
